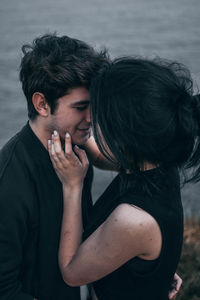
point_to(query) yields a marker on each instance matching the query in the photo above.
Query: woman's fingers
(52, 154)
(82, 156)
(179, 281)
(55, 150)
(56, 141)
(57, 154)
(176, 284)
(71, 166)
(68, 144)
(57, 146)
(69, 153)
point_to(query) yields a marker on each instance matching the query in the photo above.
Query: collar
(33, 144)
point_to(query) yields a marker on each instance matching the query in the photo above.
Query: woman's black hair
(144, 111)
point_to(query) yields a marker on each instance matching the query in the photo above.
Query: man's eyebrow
(81, 102)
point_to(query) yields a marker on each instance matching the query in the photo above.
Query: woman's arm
(71, 169)
(126, 233)
(97, 158)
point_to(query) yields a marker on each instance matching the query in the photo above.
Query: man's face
(73, 115)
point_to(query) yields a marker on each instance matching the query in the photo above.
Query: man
(55, 73)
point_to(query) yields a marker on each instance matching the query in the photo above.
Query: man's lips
(84, 129)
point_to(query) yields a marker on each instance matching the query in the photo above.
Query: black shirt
(31, 203)
(156, 191)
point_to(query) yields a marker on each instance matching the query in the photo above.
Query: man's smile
(84, 129)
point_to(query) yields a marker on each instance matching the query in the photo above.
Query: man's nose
(88, 114)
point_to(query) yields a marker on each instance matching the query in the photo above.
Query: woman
(145, 121)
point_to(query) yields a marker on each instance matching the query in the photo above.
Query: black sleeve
(14, 218)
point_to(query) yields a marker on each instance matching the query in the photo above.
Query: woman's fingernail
(67, 135)
(49, 142)
(55, 132)
(76, 147)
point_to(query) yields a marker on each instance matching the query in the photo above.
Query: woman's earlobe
(40, 104)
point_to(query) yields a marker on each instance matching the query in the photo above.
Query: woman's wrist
(75, 187)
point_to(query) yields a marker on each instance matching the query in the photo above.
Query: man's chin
(80, 141)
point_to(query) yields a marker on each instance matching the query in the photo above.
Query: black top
(31, 203)
(156, 191)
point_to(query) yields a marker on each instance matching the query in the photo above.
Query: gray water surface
(169, 29)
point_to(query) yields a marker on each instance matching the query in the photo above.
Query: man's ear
(40, 104)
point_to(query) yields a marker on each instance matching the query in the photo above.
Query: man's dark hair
(146, 112)
(53, 65)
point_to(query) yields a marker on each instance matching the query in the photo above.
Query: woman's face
(104, 144)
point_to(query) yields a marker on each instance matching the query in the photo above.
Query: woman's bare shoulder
(133, 224)
(131, 215)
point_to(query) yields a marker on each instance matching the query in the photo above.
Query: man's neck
(39, 130)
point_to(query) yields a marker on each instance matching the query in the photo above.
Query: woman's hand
(71, 166)
(176, 284)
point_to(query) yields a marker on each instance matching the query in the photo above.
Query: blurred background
(170, 29)
(165, 28)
